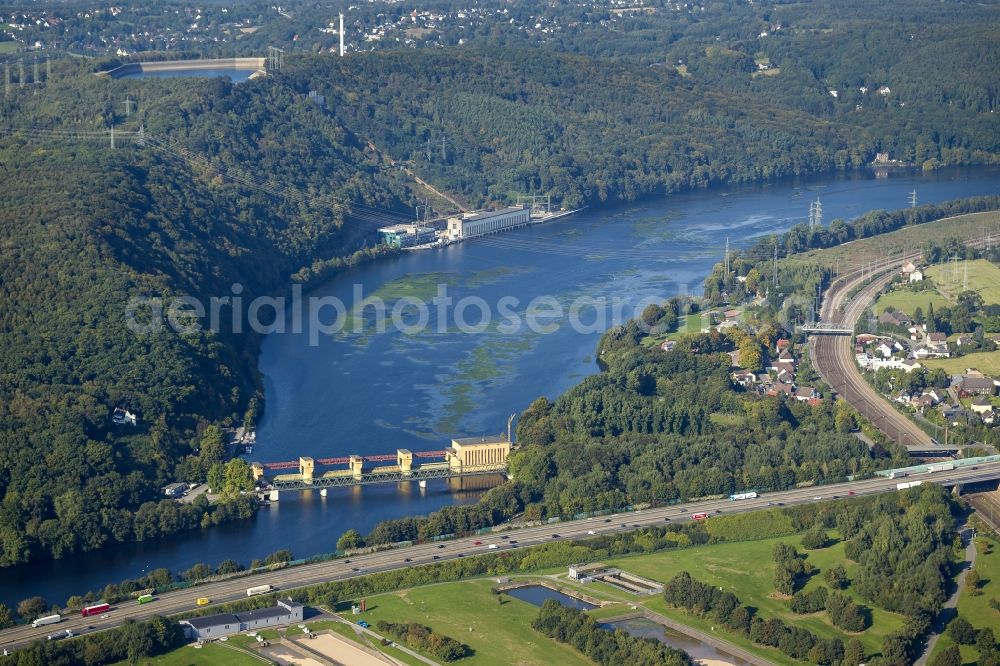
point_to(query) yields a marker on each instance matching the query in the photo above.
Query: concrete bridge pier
(306, 468)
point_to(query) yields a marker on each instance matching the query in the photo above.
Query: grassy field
(986, 362)
(983, 278)
(850, 255)
(500, 633)
(212, 654)
(726, 565)
(976, 609)
(908, 301)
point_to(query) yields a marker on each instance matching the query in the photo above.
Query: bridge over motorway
(472, 456)
(284, 580)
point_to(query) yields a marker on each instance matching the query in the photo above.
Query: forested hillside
(85, 228)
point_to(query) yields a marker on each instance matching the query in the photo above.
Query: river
(373, 393)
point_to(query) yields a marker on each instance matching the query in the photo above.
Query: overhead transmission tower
(815, 214)
(913, 199)
(275, 59)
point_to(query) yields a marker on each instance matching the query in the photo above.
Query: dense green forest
(86, 228)
(211, 184)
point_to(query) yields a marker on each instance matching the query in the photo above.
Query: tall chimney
(341, 34)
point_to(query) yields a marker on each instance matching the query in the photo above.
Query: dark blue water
(373, 393)
(234, 75)
(538, 595)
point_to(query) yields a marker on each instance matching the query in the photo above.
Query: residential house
(884, 350)
(122, 416)
(970, 384)
(964, 340)
(917, 331)
(981, 405)
(895, 318)
(923, 403)
(668, 345)
(744, 378)
(937, 338)
(780, 388)
(917, 276)
(806, 393)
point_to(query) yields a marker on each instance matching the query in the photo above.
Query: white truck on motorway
(940, 467)
(48, 619)
(911, 484)
(897, 475)
(260, 589)
(743, 496)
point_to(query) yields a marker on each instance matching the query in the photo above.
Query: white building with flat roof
(488, 222)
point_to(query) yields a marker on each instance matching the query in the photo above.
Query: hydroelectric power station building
(406, 235)
(489, 222)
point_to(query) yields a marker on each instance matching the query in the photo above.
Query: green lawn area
(908, 301)
(983, 278)
(8, 47)
(986, 362)
(212, 654)
(976, 609)
(746, 569)
(501, 633)
(850, 255)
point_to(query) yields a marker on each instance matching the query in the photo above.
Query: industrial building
(623, 580)
(406, 235)
(472, 452)
(212, 627)
(489, 222)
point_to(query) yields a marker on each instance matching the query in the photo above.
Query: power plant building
(489, 222)
(406, 235)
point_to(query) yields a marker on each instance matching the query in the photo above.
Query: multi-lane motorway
(423, 554)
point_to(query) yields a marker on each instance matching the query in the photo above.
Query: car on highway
(505, 537)
(347, 561)
(555, 536)
(850, 493)
(591, 532)
(436, 557)
(440, 545)
(607, 520)
(363, 624)
(461, 554)
(818, 497)
(513, 541)
(355, 569)
(203, 601)
(407, 559)
(478, 543)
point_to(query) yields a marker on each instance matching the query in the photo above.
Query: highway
(310, 574)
